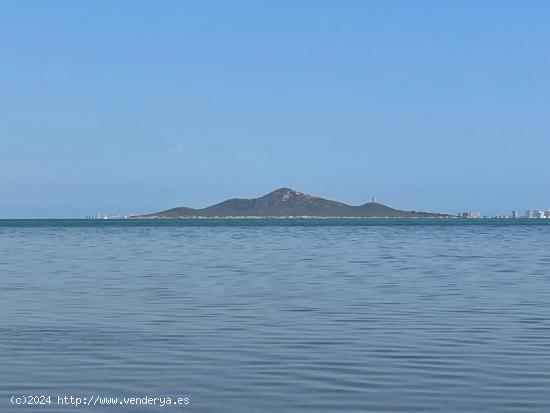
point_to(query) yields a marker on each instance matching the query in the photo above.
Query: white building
(539, 214)
(469, 214)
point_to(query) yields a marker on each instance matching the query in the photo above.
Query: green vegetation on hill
(286, 202)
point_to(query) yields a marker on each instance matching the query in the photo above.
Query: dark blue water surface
(278, 315)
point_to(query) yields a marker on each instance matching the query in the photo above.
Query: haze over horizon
(136, 107)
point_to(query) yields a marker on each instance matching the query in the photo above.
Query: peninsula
(288, 203)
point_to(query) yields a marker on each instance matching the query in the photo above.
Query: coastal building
(514, 214)
(530, 213)
(96, 216)
(469, 214)
(539, 214)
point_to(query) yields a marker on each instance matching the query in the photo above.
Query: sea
(282, 315)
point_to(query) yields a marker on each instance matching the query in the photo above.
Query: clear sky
(138, 106)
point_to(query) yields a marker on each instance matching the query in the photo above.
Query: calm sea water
(278, 316)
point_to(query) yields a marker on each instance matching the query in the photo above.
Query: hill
(286, 202)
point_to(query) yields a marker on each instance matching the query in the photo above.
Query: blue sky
(136, 106)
